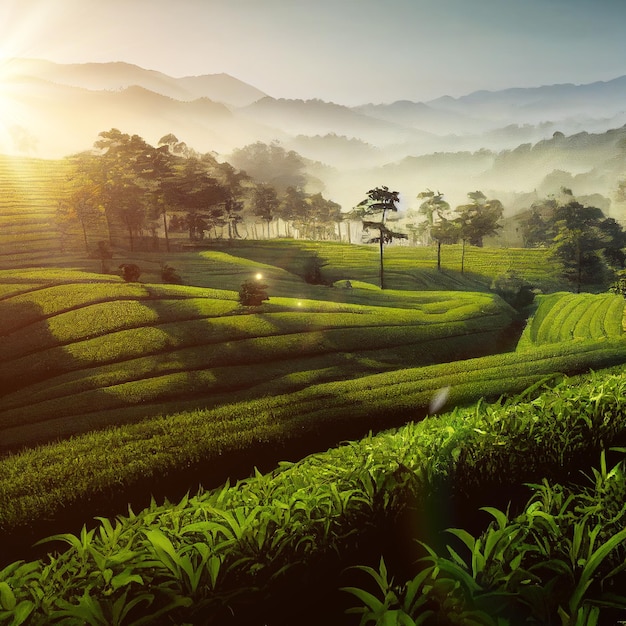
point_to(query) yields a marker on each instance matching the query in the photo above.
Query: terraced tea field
(564, 317)
(29, 196)
(82, 351)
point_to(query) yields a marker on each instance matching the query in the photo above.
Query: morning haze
(312, 312)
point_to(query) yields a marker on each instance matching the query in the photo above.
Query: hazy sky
(345, 51)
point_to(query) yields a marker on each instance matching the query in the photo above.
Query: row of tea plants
(224, 555)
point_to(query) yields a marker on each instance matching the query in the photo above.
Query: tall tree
(80, 202)
(433, 206)
(265, 203)
(201, 195)
(379, 203)
(478, 219)
(294, 210)
(159, 178)
(438, 226)
(119, 179)
(324, 214)
(579, 241)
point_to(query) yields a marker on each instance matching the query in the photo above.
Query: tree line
(589, 245)
(127, 187)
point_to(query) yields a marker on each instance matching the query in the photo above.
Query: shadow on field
(15, 312)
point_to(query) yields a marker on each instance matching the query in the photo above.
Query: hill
(83, 351)
(116, 76)
(30, 191)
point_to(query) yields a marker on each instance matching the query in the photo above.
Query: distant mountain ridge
(53, 110)
(119, 75)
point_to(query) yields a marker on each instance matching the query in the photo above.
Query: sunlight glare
(11, 129)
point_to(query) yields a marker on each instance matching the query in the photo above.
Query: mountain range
(52, 110)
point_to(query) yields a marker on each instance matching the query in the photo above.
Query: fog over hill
(502, 141)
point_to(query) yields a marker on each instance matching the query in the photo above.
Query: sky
(345, 51)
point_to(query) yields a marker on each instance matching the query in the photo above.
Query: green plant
(560, 561)
(130, 272)
(253, 293)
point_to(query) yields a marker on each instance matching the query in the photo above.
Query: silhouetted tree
(380, 202)
(438, 226)
(579, 241)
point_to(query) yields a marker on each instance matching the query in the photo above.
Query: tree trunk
(463, 258)
(439, 256)
(82, 224)
(165, 230)
(382, 269)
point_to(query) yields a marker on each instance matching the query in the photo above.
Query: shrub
(169, 274)
(253, 293)
(130, 272)
(560, 560)
(514, 290)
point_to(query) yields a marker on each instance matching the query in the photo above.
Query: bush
(169, 274)
(253, 293)
(130, 272)
(514, 290)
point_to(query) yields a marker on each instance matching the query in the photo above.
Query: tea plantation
(301, 460)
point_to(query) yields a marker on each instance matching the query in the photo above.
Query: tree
(380, 202)
(433, 206)
(80, 202)
(534, 228)
(579, 241)
(233, 182)
(437, 227)
(157, 172)
(478, 219)
(445, 231)
(323, 215)
(294, 210)
(265, 203)
(202, 196)
(117, 177)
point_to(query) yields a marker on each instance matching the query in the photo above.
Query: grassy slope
(29, 194)
(563, 316)
(304, 515)
(72, 348)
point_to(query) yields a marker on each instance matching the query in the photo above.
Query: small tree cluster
(589, 245)
(474, 221)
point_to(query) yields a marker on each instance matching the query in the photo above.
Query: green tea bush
(565, 316)
(221, 552)
(561, 560)
(40, 482)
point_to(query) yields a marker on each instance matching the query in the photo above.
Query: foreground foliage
(560, 561)
(42, 482)
(211, 557)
